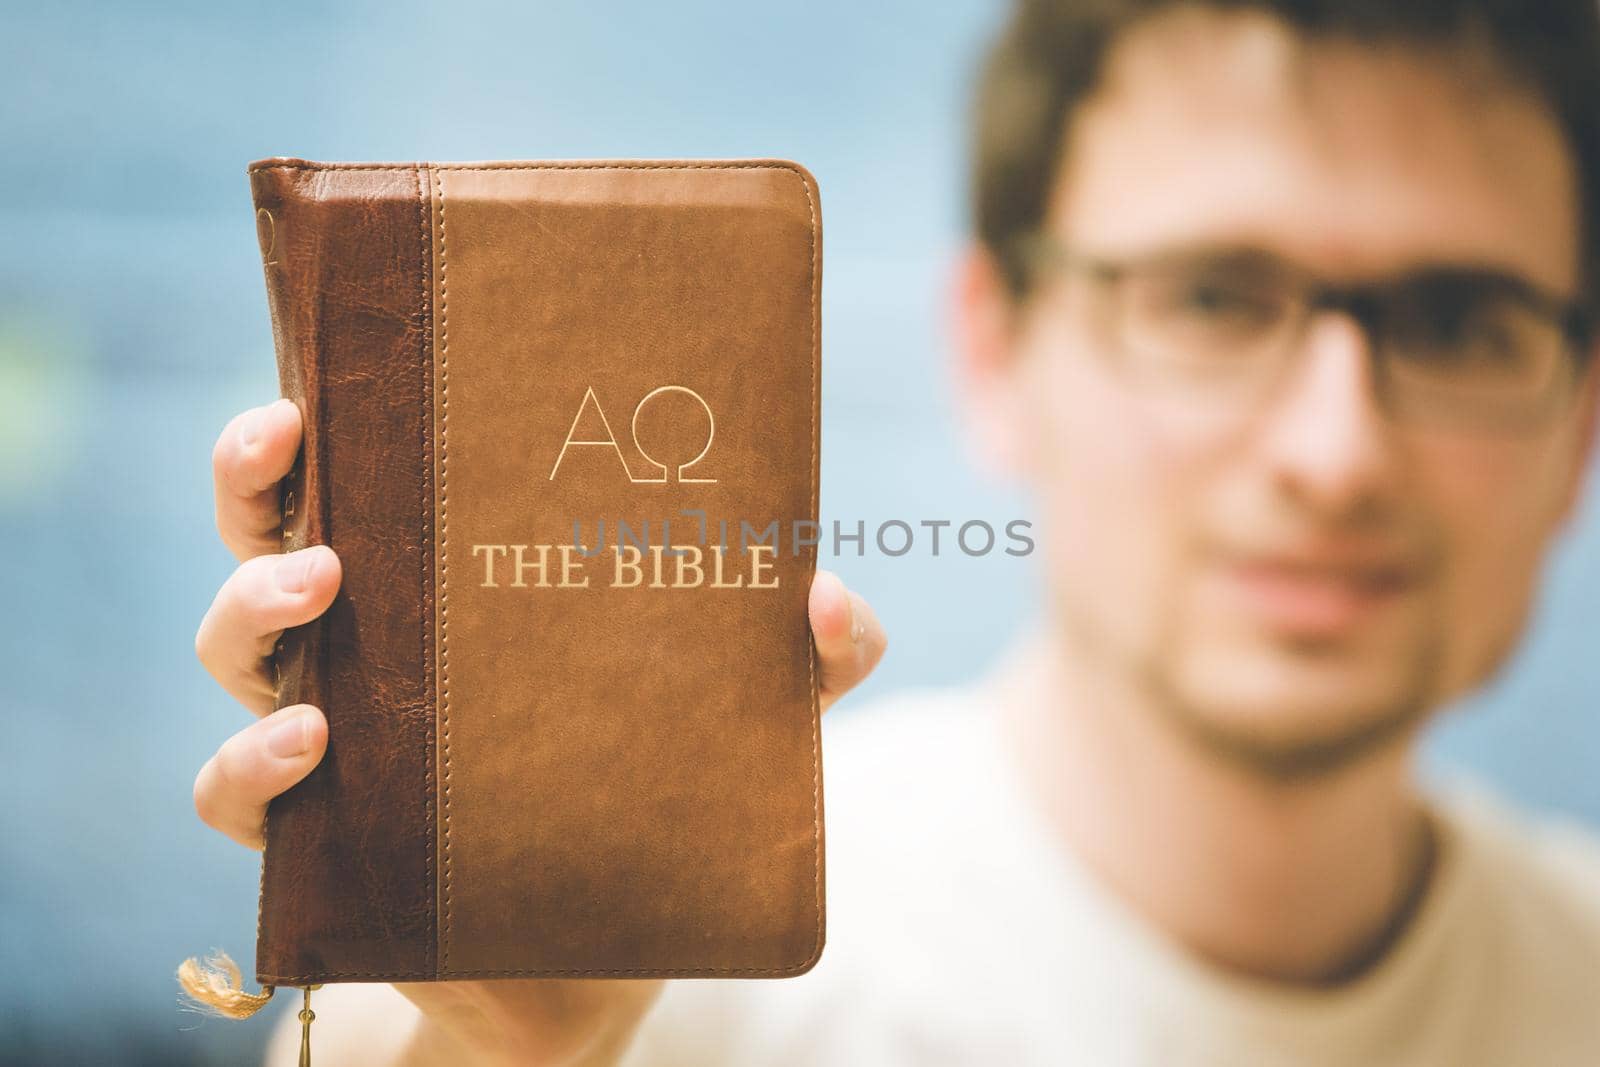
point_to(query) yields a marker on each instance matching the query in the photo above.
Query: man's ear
(984, 363)
(1586, 442)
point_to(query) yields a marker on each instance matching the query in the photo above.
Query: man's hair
(1048, 59)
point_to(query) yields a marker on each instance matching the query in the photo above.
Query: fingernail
(251, 425)
(856, 628)
(288, 739)
(293, 571)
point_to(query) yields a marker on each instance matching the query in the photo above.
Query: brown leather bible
(561, 428)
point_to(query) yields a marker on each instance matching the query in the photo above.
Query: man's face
(1299, 582)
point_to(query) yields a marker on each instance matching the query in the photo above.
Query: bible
(561, 427)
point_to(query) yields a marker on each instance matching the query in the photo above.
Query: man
(1283, 311)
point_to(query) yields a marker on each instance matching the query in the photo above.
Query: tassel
(216, 985)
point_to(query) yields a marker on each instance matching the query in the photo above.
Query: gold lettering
(656, 552)
(699, 572)
(630, 564)
(610, 438)
(519, 567)
(531, 566)
(568, 567)
(711, 433)
(719, 552)
(488, 562)
(756, 566)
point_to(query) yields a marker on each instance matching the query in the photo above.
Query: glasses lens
(1473, 348)
(1204, 322)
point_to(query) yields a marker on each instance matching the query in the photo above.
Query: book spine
(347, 885)
(299, 676)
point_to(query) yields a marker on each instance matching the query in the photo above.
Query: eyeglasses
(1471, 347)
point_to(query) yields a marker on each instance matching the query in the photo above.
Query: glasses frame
(1038, 252)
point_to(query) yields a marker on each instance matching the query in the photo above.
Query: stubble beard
(1289, 755)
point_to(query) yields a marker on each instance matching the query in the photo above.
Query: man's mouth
(1317, 594)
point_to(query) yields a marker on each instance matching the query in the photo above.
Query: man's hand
(543, 1021)
(266, 594)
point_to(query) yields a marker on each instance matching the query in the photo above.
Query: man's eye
(1219, 302)
(1488, 347)
(1460, 334)
(1213, 299)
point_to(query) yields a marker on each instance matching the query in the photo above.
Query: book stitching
(442, 554)
(425, 510)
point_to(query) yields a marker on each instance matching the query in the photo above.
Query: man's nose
(1327, 440)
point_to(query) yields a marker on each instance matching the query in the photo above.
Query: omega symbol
(610, 439)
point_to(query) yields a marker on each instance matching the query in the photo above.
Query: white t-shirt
(961, 932)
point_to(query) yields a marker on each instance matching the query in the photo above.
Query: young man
(1282, 311)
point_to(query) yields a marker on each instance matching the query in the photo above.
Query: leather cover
(561, 427)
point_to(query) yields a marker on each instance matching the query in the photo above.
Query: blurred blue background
(133, 325)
